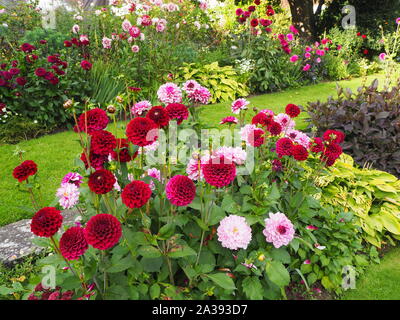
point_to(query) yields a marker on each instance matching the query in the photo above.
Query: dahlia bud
(68, 104)
(261, 257)
(119, 99)
(111, 109)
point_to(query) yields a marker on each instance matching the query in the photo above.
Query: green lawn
(54, 154)
(380, 282)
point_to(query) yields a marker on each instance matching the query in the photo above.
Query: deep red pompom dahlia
(93, 120)
(218, 172)
(275, 128)
(254, 23)
(334, 136)
(101, 181)
(292, 110)
(180, 190)
(332, 151)
(159, 115)
(46, 222)
(96, 160)
(121, 152)
(284, 147)
(102, 142)
(24, 170)
(262, 119)
(142, 131)
(317, 145)
(177, 111)
(86, 65)
(103, 231)
(299, 153)
(136, 194)
(73, 243)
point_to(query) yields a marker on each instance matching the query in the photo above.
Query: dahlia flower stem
(32, 195)
(81, 139)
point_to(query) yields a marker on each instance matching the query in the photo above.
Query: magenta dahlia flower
(278, 230)
(234, 233)
(169, 93)
(229, 120)
(218, 172)
(180, 190)
(239, 104)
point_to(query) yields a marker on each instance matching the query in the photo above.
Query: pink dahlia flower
(134, 31)
(234, 233)
(169, 93)
(106, 43)
(290, 37)
(239, 104)
(140, 107)
(135, 48)
(68, 195)
(278, 230)
(299, 138)
(232, 154)
(180, 190)
(199, 95)
(229, 120)
(246, 131)
(294, 58)
(126, 25)
(307, 67)
(154, 173)
(73, 178)
(285, 121)
(382, 56)
(190, 86)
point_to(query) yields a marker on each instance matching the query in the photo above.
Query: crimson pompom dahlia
(103, 231)
(317, 145)
(102, 142)
(254, 23)
(218, 172)
(86, 65)
(284, 147)
(93, 120)
(299, 153)
(46, 222)
(180, 190)
(121, 152)
(262, 118)
(256, 137)
(332, 151)
(73, 243)
(24, 170)
(142, 131)
(136, 194)
(101, 181)
(159, 115)
(292, 110)
(177, 111)
(275, 128)
(96, 160)
(334, 136)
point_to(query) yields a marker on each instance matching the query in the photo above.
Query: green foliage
(18, 129)
(55, 39)
(373, 196)
(370, 119)
(221, 81)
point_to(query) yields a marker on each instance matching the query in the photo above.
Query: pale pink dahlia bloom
(72, 177)
(106, 43)
(68, 195)
(135, 48)
(199, 95)
(169, 93)
(285, 121)
(268, 111)
(154, 173)
(247, 133)
(278, 230)
(232, 154)
(126, 25)
(140, 107)
(299, 137)
(234, 233)
(239, 104)
(190, 86)
(193, 168)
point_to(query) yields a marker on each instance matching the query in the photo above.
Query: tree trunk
(303, 17)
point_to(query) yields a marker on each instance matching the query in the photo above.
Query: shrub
(371, 120)
(19, 128)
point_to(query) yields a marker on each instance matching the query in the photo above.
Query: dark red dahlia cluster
(7, 77)
(40, 293)
(142, 131)
(292, 110)
(121, 152)
(329, 146)
(24, 170)
(256, 137)
(180, 190)
(177, 111)
(284, 43)
(267, 121)
(101, 181)
(103, 231)
(218, 172)
(286, 147)
(73, 243)
(244, 15)
(46, 222)
(136, 194)
(159, 115)
(92, 120)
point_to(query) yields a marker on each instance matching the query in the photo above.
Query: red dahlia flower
(122, 151)
(177, 111)
(93, 120)
(142, 131)
(332, 151)
(292, 110)
(40, 72)
(24, 170)
(275, 128)
(159, 115)
(21, 81)
(136, 194)
(334, 136)
(96, 160)
(101, 181)
(218, 173)
(46, 222)
(180, 190)
(262, 118)
(317, 145)
(254, 23)
(299, 153)
(251, 8)
(73, 243)
(284, 147)
(102, 142)
(256, 137)
(103, 231)
(239, 12)
(86, 65)
(26, 47)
